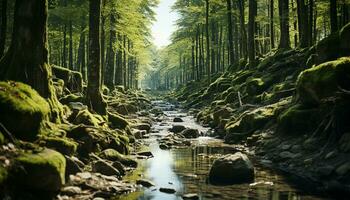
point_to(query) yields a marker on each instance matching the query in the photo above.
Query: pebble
(167, 190)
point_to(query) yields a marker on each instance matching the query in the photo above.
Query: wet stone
(145, 183)
(146, 154)
(104, 168)
(191, 196)
(167, 190)
(71, 190)
(177, 119)
(177, 128)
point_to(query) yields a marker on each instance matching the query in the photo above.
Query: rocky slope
(291, 110)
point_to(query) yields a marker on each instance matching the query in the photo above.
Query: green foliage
(22, 109)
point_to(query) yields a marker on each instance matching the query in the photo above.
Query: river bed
(186, 169)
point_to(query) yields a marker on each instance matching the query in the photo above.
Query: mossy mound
(22, 109)
(65, 146)
(71, 98)
(323, 81)
(87, 118)
(113, 155)
(117, 122)
(44, 170)
(72, 79)
(3, 175)
(298, 120)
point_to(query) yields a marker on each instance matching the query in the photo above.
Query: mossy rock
(2, 138)
(298, 120)
(3, 175)
(117, 121)
(87, 118)
(44, 170)
(71, 98)
(323, 81)
(65, 146)
(23, 110)
(255, 86)
(72, 79)
(113, 155)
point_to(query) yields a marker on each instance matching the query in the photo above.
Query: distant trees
(3, 26)
(241, 32)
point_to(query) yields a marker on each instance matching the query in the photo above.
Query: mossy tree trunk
(94, 97)
(27, 58)
(3, 26)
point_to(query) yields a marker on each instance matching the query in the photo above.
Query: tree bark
(207, 39)
(229, 32)
(71, 65)
(3, 26)
(94, 97)
(110, 71)
(272, 29)
(283, 7)
(243, 29)
(333, 15)
(251, 33)
(27, 58)
(303, 23)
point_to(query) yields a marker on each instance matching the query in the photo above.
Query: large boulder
(44, 170)
(231, 169)
(63, 145)
(190, 133)
(23, 110)
(117, 121)
(323, 81)
(177, 128)
(113, 155)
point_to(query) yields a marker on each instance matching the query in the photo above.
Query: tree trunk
(333, 16)
(27, 58)
(272, 29)
(303, 23)
(283, 7)
(229, 32)
(207, 39)
(64, 54)
(110, 71)
(3, 26)
(310, 31)
(251, 33)
(243, 29)
(94, 97)
(71, 65)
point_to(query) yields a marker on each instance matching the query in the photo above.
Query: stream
(185, 169)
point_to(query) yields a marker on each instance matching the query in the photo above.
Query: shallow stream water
(186, 169)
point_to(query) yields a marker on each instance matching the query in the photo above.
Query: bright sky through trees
(165, 23)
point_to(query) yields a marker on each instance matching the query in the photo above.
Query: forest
(248, 99)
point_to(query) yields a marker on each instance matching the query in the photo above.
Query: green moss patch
(65, 146)
(117, 121)
(22, 109)
(43, 171)
(323, 81)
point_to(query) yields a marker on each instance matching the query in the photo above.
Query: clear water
(186, 169)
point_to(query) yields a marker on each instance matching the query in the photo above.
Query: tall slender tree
(283, 8)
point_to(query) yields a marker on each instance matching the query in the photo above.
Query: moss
(65, 146)
(117, 121)
(44, 170)
(255, 86)
(323, 81)
(22, 109)
(2, 138)
(3, 175)
(71, 98)
(298, 120)
(113, 155)
(87, 118)
(73, 79)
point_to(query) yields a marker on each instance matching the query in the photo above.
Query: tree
(3, 26)
(333, 15)
(207, 36)
(230, 37)
(251, 32)
(303, 22)
(283, 8)
(27, 57)
(93, 94)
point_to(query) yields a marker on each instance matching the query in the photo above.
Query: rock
(190, 196)
(71, 166)
(164, 146)
(343, 169)
(177, 128)
(145, 183)
(231, 169)
(286, 155)
(222, 113)
(331, 154)
(44, 170)
(167, 190)
(145, 153)
(117, 121)
(87, 118)
(22, 110)
(113, 155)
(71, 190)
(298, 120)
(70, 98)
(178, 119)
(73, 80)
(62, 145)
(120, 167)
(323, 81)
(140, 134)
(345, 142)
(104, 168)
(143, 126)
(190, 133)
